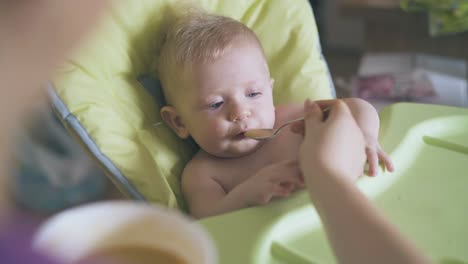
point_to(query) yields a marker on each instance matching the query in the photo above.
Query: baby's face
(227, 98)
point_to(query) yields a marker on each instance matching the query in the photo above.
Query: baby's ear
(172, 118)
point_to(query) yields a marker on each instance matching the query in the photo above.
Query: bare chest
(232, 172)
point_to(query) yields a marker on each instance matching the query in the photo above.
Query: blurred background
(391, 50)
(384, 51)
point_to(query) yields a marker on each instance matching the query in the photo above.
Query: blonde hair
(195, 36)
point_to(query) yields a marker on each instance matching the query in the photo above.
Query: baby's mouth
(239, 136)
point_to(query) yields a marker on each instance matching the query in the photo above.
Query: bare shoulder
(197, 168)
(199, 186)
(199, 171)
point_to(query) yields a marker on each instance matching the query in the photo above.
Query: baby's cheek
(268, 116)
(210, 134)
(215, 130)
(213, 139)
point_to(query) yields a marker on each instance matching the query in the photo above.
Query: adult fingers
(337, 111)
(298, 127)
(312, 114)
(325, 104)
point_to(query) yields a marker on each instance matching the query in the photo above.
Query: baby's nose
(240, 115)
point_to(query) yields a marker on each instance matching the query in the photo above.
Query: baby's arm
(368, 121)
(366, 117)
(206, 197)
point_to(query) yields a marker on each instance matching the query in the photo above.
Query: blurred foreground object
(36, 36)
(15, 244)
(124, 232)
(52, 172)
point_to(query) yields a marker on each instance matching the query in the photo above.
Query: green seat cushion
(99, 83)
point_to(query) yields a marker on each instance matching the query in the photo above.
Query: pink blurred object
(411, 86)
(379, 86)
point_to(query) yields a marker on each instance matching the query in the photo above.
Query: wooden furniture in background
(390, 29)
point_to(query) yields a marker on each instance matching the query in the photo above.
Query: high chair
(108, 97)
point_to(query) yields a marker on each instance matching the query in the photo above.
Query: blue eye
(216, 105)
(253, 94)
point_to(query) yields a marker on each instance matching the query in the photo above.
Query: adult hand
(334, 146)
(331, 157)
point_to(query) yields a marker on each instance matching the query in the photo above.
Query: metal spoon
(268, 133)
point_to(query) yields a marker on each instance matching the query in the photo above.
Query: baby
(217, 86)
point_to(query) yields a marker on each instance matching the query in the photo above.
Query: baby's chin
(238, 148)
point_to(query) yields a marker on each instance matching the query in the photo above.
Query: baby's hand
(275, 180)
(375, 156)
